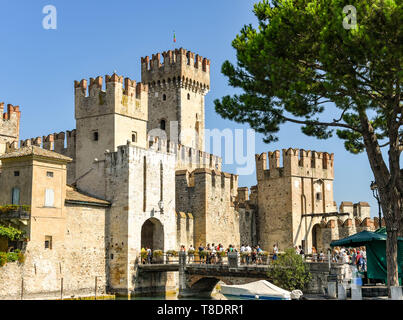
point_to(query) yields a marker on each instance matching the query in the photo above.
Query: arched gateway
(152, 234)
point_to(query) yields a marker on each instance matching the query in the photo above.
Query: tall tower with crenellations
(108, 118)
(294, 199)
(178, 82)
(9, 127)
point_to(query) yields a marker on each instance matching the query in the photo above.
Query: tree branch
(318, 123)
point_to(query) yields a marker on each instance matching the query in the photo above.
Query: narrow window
(16, 173)
(318, 196)
(15, 196)
(134, 136)
(164, 97)
(49, 198)
(162, 125)
(145, 184)
(161, 181)
(49, 174)
(95, 135)
(188, 96)
(48, 242)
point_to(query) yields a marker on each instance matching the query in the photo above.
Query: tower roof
(32, 151)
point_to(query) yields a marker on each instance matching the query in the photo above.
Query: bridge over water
(201, 278)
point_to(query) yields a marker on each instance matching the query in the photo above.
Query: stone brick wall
(133, 185)
(184, 234)
(209, 195)
(302, 185)
(78, 260)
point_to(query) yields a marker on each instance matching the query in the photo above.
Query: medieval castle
(102, 191)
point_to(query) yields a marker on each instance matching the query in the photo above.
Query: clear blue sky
(94, 37)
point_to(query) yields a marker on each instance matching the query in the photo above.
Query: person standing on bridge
(275, 252)
(248, 251)
(201, 249)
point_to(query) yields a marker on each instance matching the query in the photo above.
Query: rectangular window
(15, 196)
(318, 196)
(49, 174)
(16, 173)
(49, 198)
(95, 135)
(48, 242)
(134, 136)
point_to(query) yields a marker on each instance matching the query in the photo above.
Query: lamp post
(161, 206)
(374, 188)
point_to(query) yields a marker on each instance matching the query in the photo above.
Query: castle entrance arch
(152, 234)
(317, 237)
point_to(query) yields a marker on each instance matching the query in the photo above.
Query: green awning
(375, 243)
(359, 239)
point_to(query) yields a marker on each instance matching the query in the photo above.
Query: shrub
(12, 256)
(21, 257)
(221, 253)
(157, 253)
(143, 254)
(203, 253)
(289, 271)
(172, 253)
(191, 252)
(3, 258)
(10, 232)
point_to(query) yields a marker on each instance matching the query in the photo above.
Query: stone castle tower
(9, 127)
(293, 198)
(177, 87)
(106, 119)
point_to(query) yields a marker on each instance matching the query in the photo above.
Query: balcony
(10, 212)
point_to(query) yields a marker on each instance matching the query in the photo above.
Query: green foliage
(143, 253)
(12, 207)
(3, 258)
(301, 65)
(289, 271)
(157, 253)
(20, 256)
(17, 255)
(202, 253)
(191, 252)
(12, 256)
(263, 253)
(221, 253)
(11, 232)
(172, 253)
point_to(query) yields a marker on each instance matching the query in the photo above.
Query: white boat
(258, 290)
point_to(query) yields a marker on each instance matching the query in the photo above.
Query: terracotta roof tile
(34, 151)
(73, 194)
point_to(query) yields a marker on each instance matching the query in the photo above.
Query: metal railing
(17, 213)
(196, 258)
(222, 258)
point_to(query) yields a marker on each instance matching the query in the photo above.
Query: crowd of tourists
(213, 254)
(352, 256)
